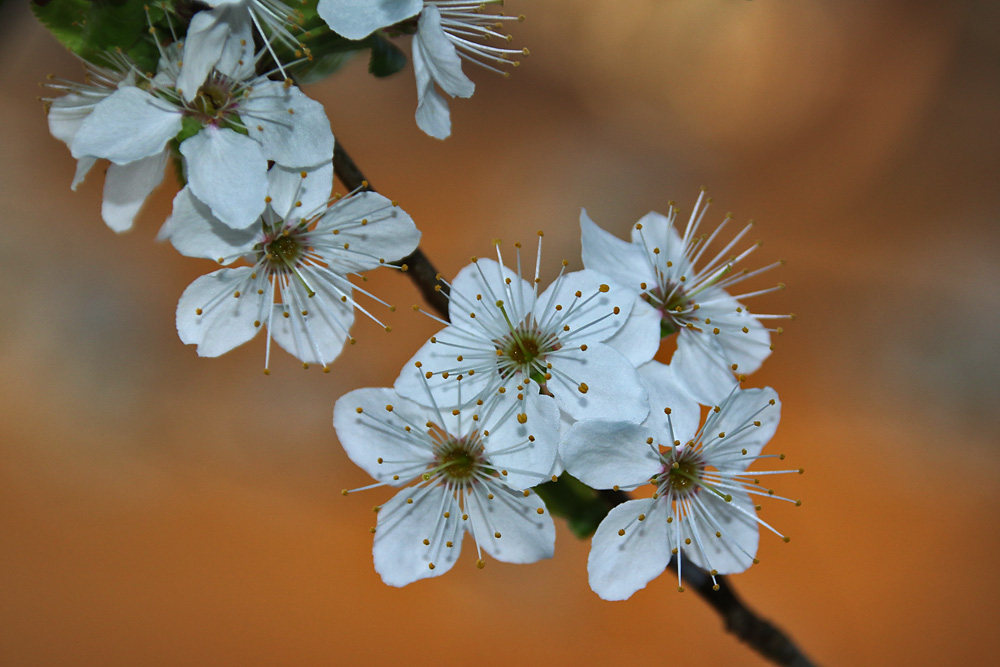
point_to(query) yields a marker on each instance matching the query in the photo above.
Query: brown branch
(739, 619)
(416, 265)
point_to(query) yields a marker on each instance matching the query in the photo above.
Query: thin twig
(739, 619)
(416, 265)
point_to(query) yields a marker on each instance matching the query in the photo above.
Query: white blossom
(683, 285)
(703, 507)
(301, 252)
(570, 341)
(469, 470)
(237, 122)
(447, 32)
(222, 36)
(125, 187)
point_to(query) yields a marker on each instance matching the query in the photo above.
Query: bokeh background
(160, 509)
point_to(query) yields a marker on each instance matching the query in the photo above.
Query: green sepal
(178, 161)
(386, 58)
(93, 28)
(581, 506)
(189, 128)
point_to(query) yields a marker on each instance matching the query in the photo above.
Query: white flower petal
(525, 535)
(195, 232)
(292, 129)
(318, 336)
(286, 187)
(599, 296)
(67, 113)
(227, 171)
(436, 61)
(619, 565)
(218, 39)
(735, 420)
(439, 356)
(356, 19)
(639, 338)
(613, 389)
(224, 321)
(734, 551)
(439, 55)
(624, 262)
(389, 233)
(83, 166)
(375, 439)
(747, 349)
(528, 462)
(603, 454)
(126, 188)
(699, 366)
(399, 551)
(658, 232)
(487, 278)
(433, 116)
(128, 125)
(666, 392)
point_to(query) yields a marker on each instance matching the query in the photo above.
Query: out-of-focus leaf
(386, 57)
(93, 28)
(580, 505)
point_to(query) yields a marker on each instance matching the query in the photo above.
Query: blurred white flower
(447, 32)
(125, 187)
(222, 36)
(687, 293)
(703, 507)
(302, 253)
(470, 470)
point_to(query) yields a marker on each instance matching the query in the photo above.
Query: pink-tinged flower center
(215, 103)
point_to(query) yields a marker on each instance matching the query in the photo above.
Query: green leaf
(581, 506)
(386, 57)
(91, 29)
(189, 128)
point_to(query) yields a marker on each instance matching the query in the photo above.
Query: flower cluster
(524, 383)
(526, 386)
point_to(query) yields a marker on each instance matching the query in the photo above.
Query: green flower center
(283, 251)
(683, 476)
(522, 352)
(458, 464)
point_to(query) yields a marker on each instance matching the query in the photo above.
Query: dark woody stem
(416, 265)
(739, 619)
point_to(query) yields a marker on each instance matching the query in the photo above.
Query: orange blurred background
(161, 509)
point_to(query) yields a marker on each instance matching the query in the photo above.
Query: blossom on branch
(469, 470)
(302, 252)
(227, 133)
(687, 292)
(125, 187)
(222, 36)
(703, 508)
(447, 32)
(569, 342)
